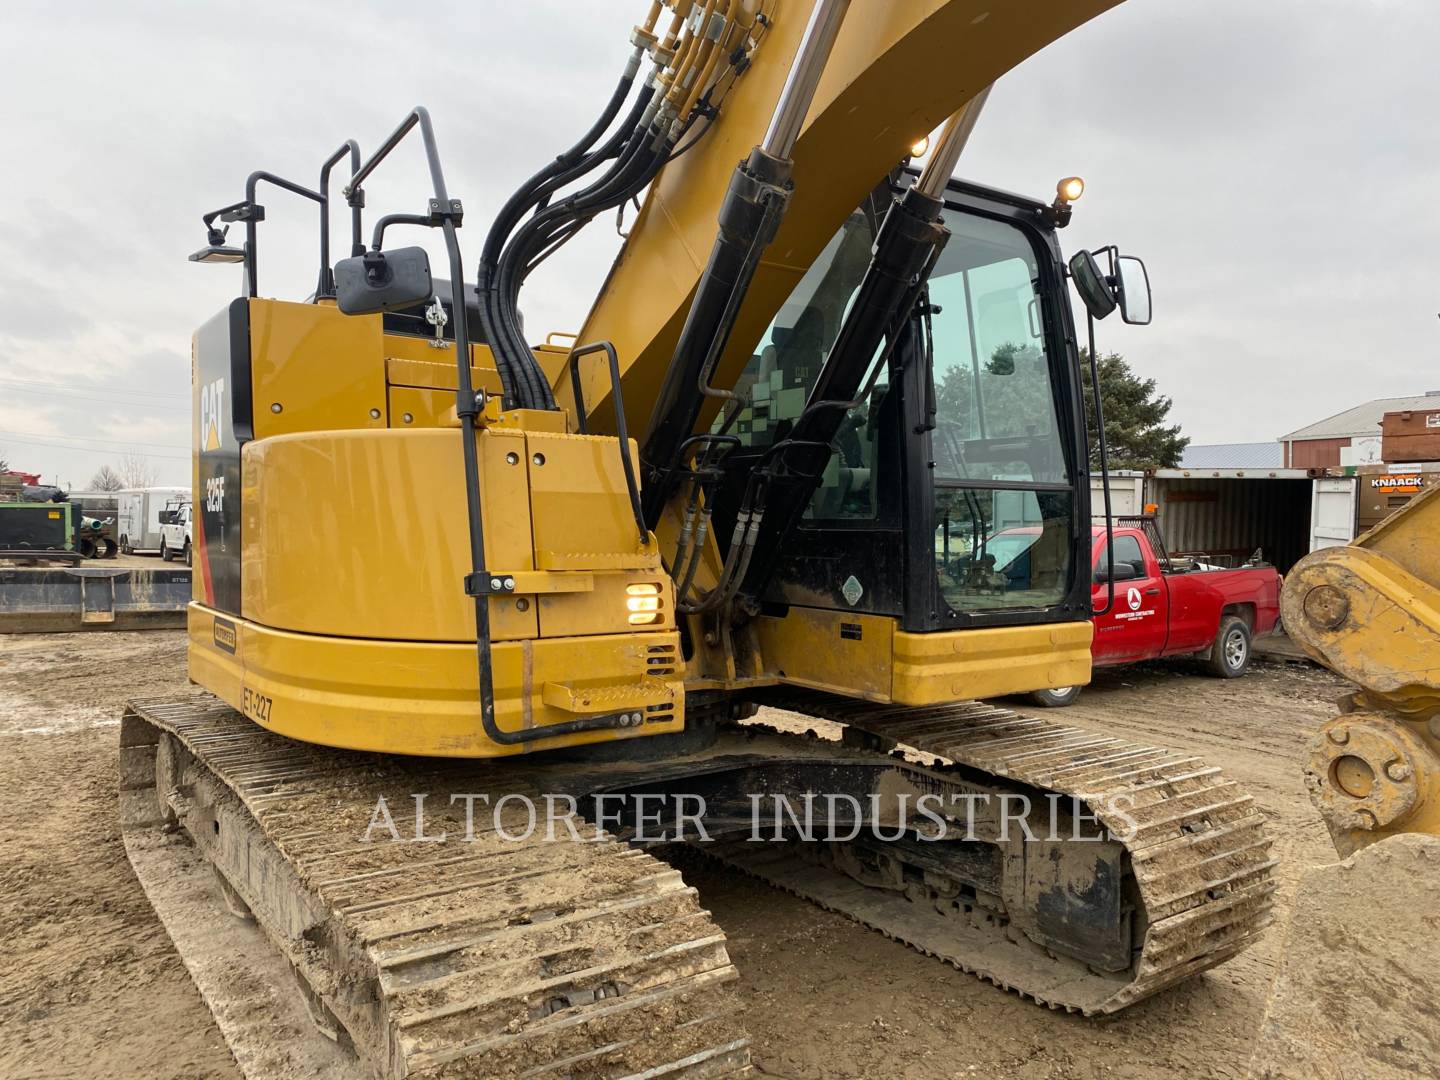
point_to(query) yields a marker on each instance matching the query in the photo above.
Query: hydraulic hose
(631, 173)
(525, 383)
(535, 234)
(677, 93)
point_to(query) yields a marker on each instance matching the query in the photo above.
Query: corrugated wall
(1228, 516)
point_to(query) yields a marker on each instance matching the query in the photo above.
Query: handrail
(326, 285)
(573, 363)
(252, 213)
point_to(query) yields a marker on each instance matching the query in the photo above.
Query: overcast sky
(1276, 162)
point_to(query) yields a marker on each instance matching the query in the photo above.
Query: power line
(98, 451)
(123, 444)
(62, 388)
(80, 396)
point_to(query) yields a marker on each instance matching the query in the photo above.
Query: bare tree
(106, 479)
(136, 470)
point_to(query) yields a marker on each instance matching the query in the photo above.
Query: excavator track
(546, 957)
(487, 958)
(1197, 854)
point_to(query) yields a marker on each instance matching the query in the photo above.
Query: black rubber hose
(533, 237)
(609, 150)
(525, 196)
(518, 369)
(633, 172)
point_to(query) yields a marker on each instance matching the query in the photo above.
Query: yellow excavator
(475, 617)
(1355, 992)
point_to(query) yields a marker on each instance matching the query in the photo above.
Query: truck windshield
(1000, 465)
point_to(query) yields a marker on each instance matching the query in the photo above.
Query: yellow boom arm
(1370, 611)
(898, 69)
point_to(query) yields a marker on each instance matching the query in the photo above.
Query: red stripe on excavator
(204, 550)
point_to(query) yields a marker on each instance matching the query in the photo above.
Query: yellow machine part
(354, 631)
(353, 628)
(1370, 611)
(315, 369)
(409, 697)
(866, 656)
(896, 72)
(384, 496)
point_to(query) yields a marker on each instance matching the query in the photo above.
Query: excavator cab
(971, 424)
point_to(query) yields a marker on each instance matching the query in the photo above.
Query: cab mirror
(381, 281)
(1133, 285)
(1091, 284)
(1123, 572)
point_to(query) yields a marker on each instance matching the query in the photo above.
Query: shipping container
(1127, 495)
(1410, 435)
(1227, 515)
(1332, 512)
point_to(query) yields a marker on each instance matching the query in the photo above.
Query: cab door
(1135, 626)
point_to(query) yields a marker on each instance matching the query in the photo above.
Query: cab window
(1003, 506)
(777, 381)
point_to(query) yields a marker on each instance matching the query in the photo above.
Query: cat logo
(212, 404)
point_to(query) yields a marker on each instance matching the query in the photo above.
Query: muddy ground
(90, 986)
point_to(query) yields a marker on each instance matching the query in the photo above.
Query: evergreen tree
(1136, 434)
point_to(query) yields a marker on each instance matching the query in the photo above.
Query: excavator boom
(896, 72)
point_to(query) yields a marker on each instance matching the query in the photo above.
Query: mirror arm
(1104, 472)
(377, 241)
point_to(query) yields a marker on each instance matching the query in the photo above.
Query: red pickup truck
(1174, 607)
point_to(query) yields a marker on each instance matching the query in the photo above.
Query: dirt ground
(90, 985)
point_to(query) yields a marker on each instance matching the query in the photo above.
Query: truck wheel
(125, 546)
(1230, 655)
(1056, 699)
(187, 552)
(164, 552)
